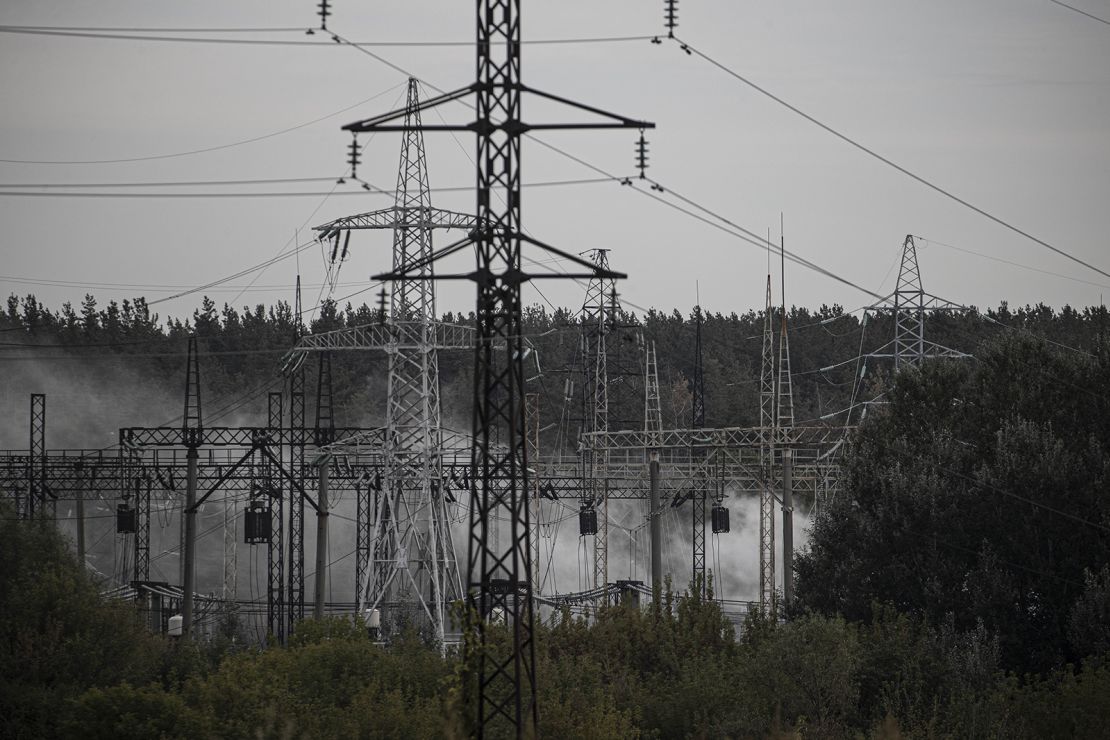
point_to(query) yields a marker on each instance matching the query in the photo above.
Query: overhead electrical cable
(182, 183)
(890, 163)
(747, 235)
(159, 29)
(1081, 12)
(367, 189)
(1010, 262)
(277, 258)
(205, 150)
(143, 34)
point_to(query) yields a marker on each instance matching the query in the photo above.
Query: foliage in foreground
(75, 666)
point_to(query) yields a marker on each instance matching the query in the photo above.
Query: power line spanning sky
(1004, 103)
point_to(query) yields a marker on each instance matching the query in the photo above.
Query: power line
(1081, 12)
(890, 163)
(153, 287)
(205, 150)
(182, 183)
(747, 235)
(139, 34)
(1010, 262)
(162, 29)
(277, 258)
(368, 188)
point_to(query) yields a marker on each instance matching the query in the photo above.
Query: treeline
(243, 351)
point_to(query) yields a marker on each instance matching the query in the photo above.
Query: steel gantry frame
(503, 680)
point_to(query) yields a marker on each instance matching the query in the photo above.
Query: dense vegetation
(77, 667)
(957, 586)
(243, 350)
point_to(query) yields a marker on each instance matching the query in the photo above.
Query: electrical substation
(479, 517)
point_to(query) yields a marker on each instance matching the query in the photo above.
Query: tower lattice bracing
(499, 683)
(767, 420)
(909, 305)
(909, 310)
(414, 571)
(653, 409)
(597, 319)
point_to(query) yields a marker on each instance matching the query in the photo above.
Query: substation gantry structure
(256, 474)
(668, 467)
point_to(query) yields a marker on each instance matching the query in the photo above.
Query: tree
(979, 492)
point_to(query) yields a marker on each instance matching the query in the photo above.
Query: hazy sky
(1004, 102)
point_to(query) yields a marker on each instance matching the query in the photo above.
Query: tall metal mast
(596, 321)
(767, 420)
(502, 680)
(784, 423)
(417, 568)
(700, 482)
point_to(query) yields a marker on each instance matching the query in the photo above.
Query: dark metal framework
(699, 494)
(499, 562)
(37, 489)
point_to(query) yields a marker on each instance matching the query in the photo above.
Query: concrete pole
(787, 528)
(321, 538)
(656, 531)
(189, 547)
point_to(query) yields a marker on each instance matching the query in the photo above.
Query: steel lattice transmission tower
(653, 409)
(405, 557)
(767, 423)
(700, 481)
(597, 319)
(501, 673)
(910, 304)
(419, 570)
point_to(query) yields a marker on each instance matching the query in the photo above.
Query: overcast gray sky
(1006, 103)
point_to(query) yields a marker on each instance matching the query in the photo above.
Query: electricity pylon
(500, 681)
(597, 320)
(700, 481)
(408, 569)
(767, 423)
(909, 304)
